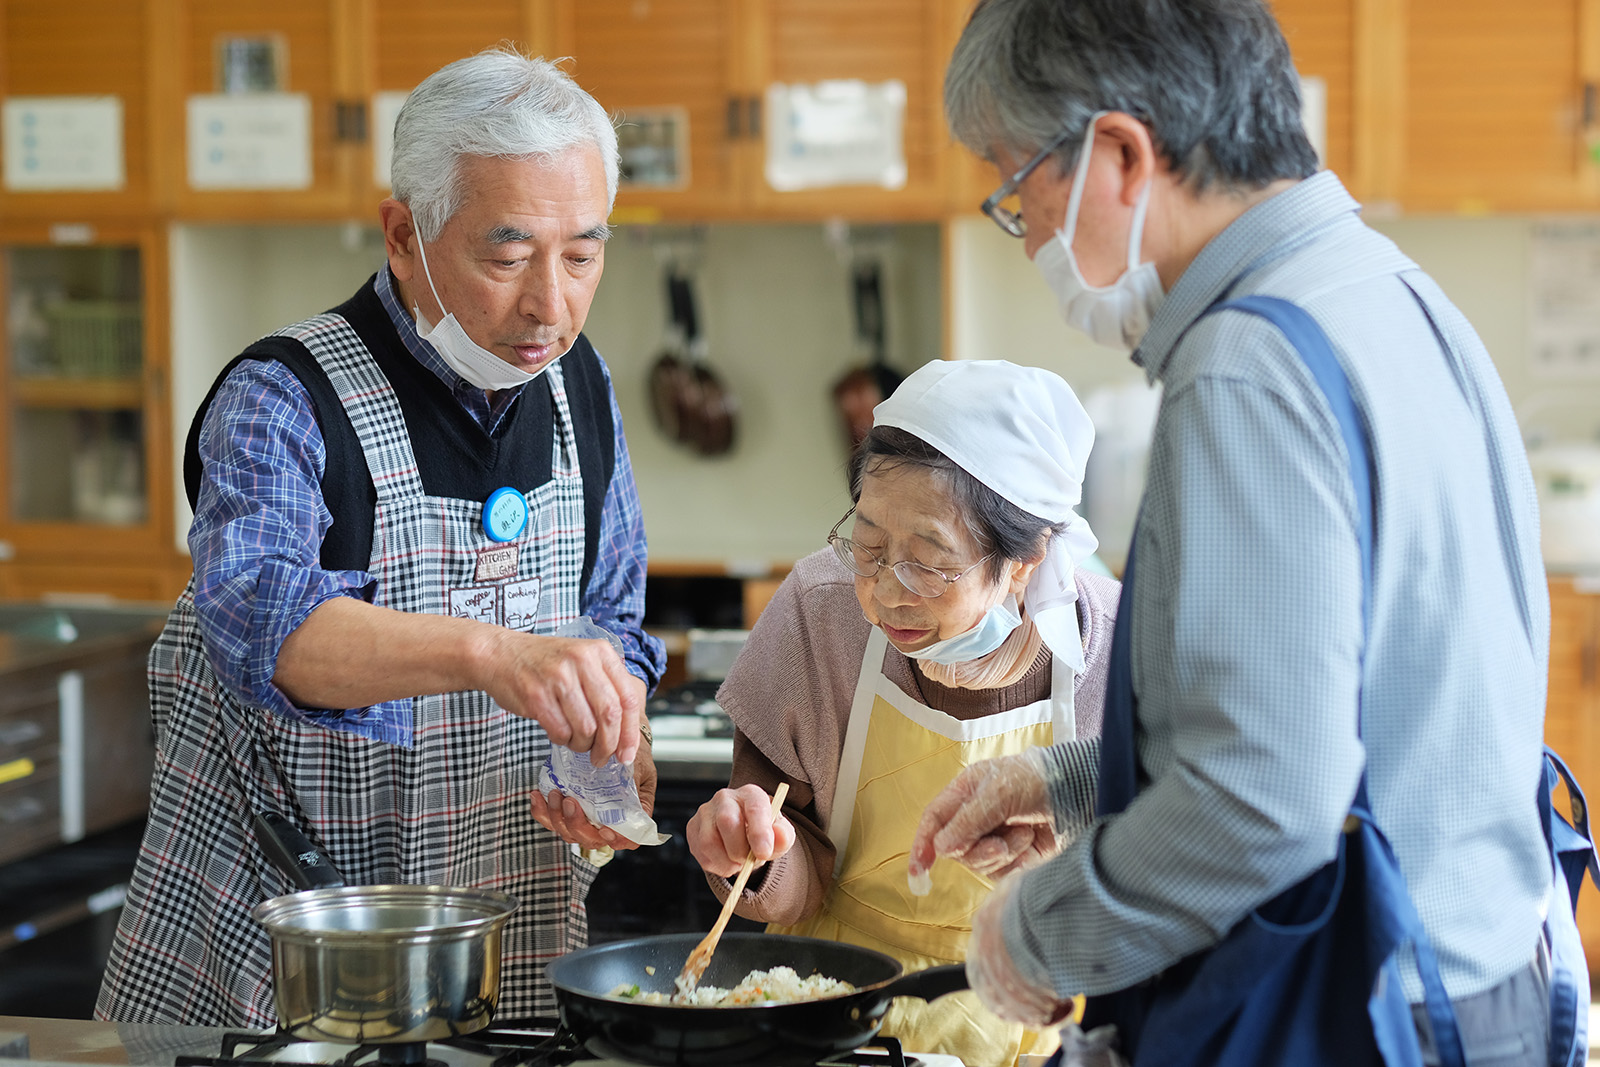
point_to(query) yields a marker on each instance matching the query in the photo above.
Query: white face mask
(465, 356)
(989, 634)
(1117, 314)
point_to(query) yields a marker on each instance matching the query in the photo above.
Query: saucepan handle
(930, 984)
(293, 853)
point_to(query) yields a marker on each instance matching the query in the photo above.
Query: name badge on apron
(505, 514)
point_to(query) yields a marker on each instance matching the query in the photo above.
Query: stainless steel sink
(76, 749)
(50, 625)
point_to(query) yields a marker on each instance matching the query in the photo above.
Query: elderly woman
(946, 623)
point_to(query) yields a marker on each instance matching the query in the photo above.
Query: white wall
(1001, 306)
(1481, 263)
(233, 284)
(774, 308)
(776, 313)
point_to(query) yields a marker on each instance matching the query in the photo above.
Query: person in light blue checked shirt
(1153, 166)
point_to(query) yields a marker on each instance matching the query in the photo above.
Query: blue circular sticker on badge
(505, 514)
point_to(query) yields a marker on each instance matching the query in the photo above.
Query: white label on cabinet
(836, 133)
(1564, 301)
(63, 142)
(385, 109)
(1314, 114)
(250, 141)
(653, 148)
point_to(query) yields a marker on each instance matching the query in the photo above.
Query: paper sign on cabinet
(63, 143)
(844, 132)
(250, 141)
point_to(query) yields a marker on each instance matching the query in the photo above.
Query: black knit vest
(455, 456)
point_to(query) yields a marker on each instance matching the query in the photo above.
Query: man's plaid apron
(452, 810)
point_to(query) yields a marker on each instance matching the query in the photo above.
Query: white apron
(898, 754)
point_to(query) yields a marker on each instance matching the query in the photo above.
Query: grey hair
(496, 103)
(998, 527)
(1211, 79)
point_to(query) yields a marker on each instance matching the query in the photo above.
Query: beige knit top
(789, 695)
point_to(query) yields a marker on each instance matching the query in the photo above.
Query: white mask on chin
(1118, 314)
(465, 356)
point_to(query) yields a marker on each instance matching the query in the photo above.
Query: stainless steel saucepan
(381, 964)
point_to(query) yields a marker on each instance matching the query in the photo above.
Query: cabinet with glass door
(85, 502)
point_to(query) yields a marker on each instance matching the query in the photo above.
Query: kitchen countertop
(75, 1040)
(63, 638)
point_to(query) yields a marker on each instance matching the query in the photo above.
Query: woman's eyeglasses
(918, 578)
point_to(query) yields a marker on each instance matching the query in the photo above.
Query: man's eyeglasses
(918, 578)
(1008, 220)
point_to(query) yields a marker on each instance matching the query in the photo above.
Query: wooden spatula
(698, 960)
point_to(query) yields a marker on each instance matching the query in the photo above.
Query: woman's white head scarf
(1021, 432)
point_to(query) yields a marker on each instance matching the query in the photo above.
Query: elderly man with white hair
(948, 624)
(397, 505)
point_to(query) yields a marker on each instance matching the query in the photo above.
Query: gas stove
(516, 1043)
(535, 1044)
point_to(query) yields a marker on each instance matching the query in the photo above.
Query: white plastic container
(1568, 480)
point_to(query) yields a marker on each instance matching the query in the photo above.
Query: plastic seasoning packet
(607, 793)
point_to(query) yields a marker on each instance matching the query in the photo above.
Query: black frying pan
(778, 1034)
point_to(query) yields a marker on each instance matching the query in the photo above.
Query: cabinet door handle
(734, 109)
(350, 121)
(1589, 103)
(754, 122)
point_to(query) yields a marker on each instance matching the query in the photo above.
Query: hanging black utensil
(706, 415)
(864, 388)
(670, 377)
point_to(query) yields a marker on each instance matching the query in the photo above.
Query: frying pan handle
(930, 984)
(293, 853)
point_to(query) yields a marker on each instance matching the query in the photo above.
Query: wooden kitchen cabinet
(85, 430)
(645, 56)
(714, 59)
(1572, 714)
(82, 49)
(1494, 106)
(321, 46)
(1459, 106)
(1321, 36)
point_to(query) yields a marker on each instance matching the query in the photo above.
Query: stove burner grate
(536, 1043)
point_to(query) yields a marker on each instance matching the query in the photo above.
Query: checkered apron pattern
(452, 810)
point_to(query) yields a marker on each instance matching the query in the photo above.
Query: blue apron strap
(1311, 343)
(1119, 770)
(1572, 853)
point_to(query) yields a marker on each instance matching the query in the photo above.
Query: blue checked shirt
(1247, 630)
(260, 520)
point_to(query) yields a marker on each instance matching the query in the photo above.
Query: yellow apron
(897, 755)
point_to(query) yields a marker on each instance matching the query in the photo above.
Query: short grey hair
(496, 103)
(1212, 79)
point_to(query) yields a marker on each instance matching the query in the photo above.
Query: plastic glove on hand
(995, 818)
(1002, 987)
